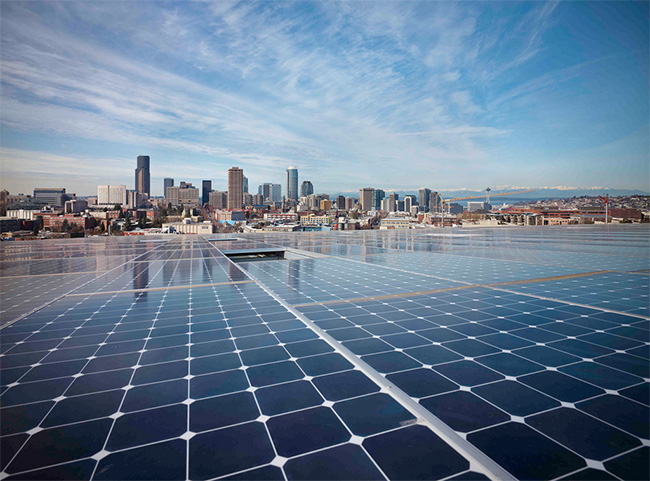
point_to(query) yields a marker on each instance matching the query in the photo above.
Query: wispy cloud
(351, 92)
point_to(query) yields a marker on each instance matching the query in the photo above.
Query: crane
(487, 198)
(606, 201)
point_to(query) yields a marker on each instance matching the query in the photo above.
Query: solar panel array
(388, 355)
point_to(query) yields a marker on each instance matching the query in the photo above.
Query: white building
(111, 195)
(188, 227)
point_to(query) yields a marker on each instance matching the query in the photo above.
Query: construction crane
(487, 199)
(606, 201)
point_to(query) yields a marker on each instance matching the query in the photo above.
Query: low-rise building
(229, 215)
(395, 223)
(281, 217)
(314, 220)
(187, 227)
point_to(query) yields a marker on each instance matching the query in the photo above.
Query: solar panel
(393, 355)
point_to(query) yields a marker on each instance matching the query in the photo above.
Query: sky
(391, 95)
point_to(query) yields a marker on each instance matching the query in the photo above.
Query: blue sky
(394, 95)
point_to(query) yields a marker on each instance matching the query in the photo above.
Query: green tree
(65, 225)
(127, 224)
(117, 207)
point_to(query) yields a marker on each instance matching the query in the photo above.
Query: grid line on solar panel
(100, 455)
(448, 410)
(594, 364)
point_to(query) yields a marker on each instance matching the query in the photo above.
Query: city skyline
(394, 95)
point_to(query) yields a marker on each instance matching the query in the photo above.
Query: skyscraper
(265, 190)
(235, 188)
(142, 184)
(292, 183)
(276, 192)
(167, 182)
(206, 187)
(409, 201)
(365, 198)
(377, 196)
(245, 184)
(423, 197)
(307, 188)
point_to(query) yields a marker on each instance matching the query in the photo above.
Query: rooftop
(405, 354)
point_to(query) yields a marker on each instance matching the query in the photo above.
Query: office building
(182, 194)
(142, 179)
(206, 187)
(377, 196)
(75, 206)
(409, 201)
(55, 197)
(258, 199)
(307, 188)
(245, 184)
(340, 202)
(218, 199)
(365, 198)
(112, 195)
(276, 192)
(248, 199)
(423, 198)
(435, 202)
(292, 183)
(349, 203)
(133, 199)
(265, 191)
(235, 188)
(167, 182)
(325, 204)
(474, 206)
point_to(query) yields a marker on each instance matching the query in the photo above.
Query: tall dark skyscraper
(206, 187)
(306, 189)
(167, 182)
(423, 198)
(142, 180)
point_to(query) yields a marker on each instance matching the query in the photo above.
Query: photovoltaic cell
(386, 355)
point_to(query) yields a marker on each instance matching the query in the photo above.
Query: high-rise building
(307, 188)
(325, 204)
(349, 203)
(167, 182)
(423, 198)
(235, 188)
(112, 195)
(409, 201)
(435, 201)
(365, 198)
(142, 183)
(245, 184)
(340, 202)
(56, 197)
(218, 200)
(133, 199)
(292, 183)
(206, 187)
(266, 191)
(185, 193)
(276, 192)
(258, 199)
(377, 196)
